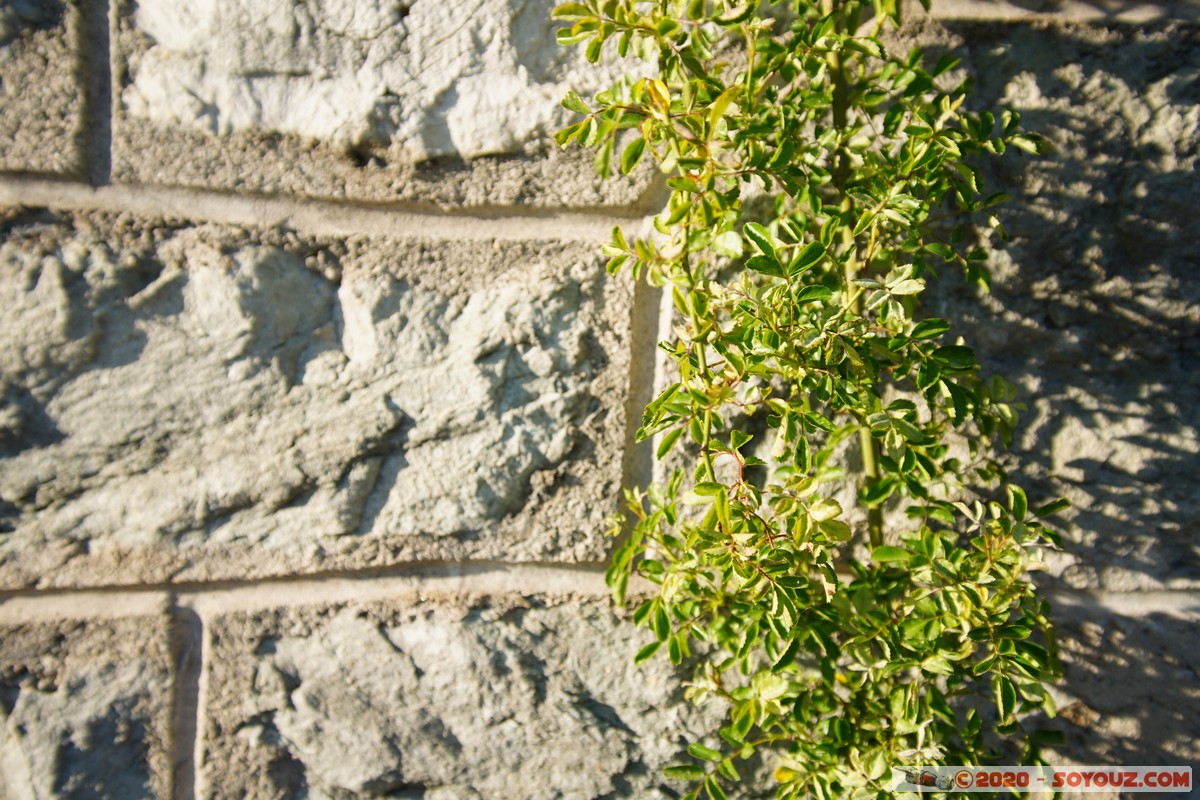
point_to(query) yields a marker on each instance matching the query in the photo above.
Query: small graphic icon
(926, 778)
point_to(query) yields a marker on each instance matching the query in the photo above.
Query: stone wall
(314, 395)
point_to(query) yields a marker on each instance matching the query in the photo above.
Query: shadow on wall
(1106, 10)
(1134, 696)
(1093, 309)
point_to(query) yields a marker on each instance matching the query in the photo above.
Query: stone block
(41, 92)
(509, 697)
(1128, 695)
(197, 402)
(1093, 309)
(85, 708)
(421, 102)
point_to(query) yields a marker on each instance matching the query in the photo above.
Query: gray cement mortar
(84, 709)
(196, 402)
(41, 95)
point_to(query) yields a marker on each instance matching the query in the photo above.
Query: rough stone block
(1129, 693)
(1093, 306)
(85, 708)
(189, 402)
(445, 103)
(515, 698)
(41, 95)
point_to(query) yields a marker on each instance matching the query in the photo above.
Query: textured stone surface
(84, 709)
(41, 97)
(415, 101)
(510, 698)
(1098, 11)
(1093, 310)
(189, 402)
(1131, 687)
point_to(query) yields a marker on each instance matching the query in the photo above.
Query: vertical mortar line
(189, 652)
(637, 461)
(94, 44)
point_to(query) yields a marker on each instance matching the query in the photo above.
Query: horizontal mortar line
(379, 583)
(1180, 603)
(1087, 11)
(321, 217)
(461, 578)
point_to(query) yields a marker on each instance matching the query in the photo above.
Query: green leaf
(877, 491)
(938, 665)
(568, 134)
(803, 457)
(571, 11)
(728, 244)
(806, 258)
(867, 46)
(810, 293)
(566, 37)
(948, 61)
(603, 163)
(1006, 696)
(736, 14)
(662, 623)
(683, 183)
(864, 221)
(614, 264)
(819, 421)
(718, 107)
(787, 656)
(1017, 502)
(889, 553)
(1030, 144)
(688, 772)
(643, 612)
(742, 719)
(632, 154)
(825, 508)
(697, 750)
(1013, 631)
(836, 530)
(930, 328)
(907, 287)
(876, 763)
(668, 441)
(646, 653)
(955, 356)
(1052, 508)
(760, 237)
(911, 432)
(715, 792)
(943, 250)
(573, 102)
(766, 265)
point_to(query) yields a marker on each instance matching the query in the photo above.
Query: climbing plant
(817, 184)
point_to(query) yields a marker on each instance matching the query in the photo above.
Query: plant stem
(841, 169)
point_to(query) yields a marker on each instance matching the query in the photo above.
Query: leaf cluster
(817, 184)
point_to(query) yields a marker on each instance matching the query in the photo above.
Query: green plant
(817, 182)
